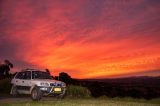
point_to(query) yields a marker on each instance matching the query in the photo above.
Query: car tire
(61, 96)
(14, 91)
(36, 94)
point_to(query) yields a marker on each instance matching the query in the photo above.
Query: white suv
(37, 83)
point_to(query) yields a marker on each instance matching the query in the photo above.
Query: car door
(23, 80)
(26, 81)
(18, 79)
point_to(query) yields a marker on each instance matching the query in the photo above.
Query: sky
(84, 38)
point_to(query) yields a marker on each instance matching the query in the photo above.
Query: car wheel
(36, 94)
(61, 96)
(14, 91)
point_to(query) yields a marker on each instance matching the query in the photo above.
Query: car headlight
(44, 84)
(63, 84)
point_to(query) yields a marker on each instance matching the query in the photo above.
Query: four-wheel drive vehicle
(36, 83)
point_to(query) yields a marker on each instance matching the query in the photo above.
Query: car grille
(58, 84)
(52, 84)
(55, 84)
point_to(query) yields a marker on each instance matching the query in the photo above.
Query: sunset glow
(85, 38)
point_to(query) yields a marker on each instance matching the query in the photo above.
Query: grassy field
(75, 96)
(86, 102)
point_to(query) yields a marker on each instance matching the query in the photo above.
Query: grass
(75, 96)
(85, 102)
(5, 86)
(77, 92)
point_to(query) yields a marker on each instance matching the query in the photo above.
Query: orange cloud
(85, 39)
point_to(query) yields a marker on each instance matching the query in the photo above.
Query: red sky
(85, 38)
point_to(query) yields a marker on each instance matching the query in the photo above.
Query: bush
(5, 86)
(77, 92)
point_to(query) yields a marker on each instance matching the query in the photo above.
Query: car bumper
(53, 90)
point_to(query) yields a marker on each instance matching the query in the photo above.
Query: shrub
(77, 92)
(5, 86)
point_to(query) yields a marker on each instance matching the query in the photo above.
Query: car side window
(34, 74)
(27, 75)
(24, 75)
(20, 75)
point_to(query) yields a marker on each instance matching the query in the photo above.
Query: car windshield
(40, 75)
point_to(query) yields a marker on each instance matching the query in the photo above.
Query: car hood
(47, 80)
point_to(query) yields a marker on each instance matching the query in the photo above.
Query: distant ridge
(128, 79)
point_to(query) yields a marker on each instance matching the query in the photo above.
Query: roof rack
(30, 69)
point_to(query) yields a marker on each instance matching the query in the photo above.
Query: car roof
(28, 69)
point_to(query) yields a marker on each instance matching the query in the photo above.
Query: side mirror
(52, 77)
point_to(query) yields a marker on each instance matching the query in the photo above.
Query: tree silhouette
(47, 70)
(65, 78)
(5, 68)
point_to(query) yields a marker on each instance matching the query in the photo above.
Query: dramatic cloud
(86, 39)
